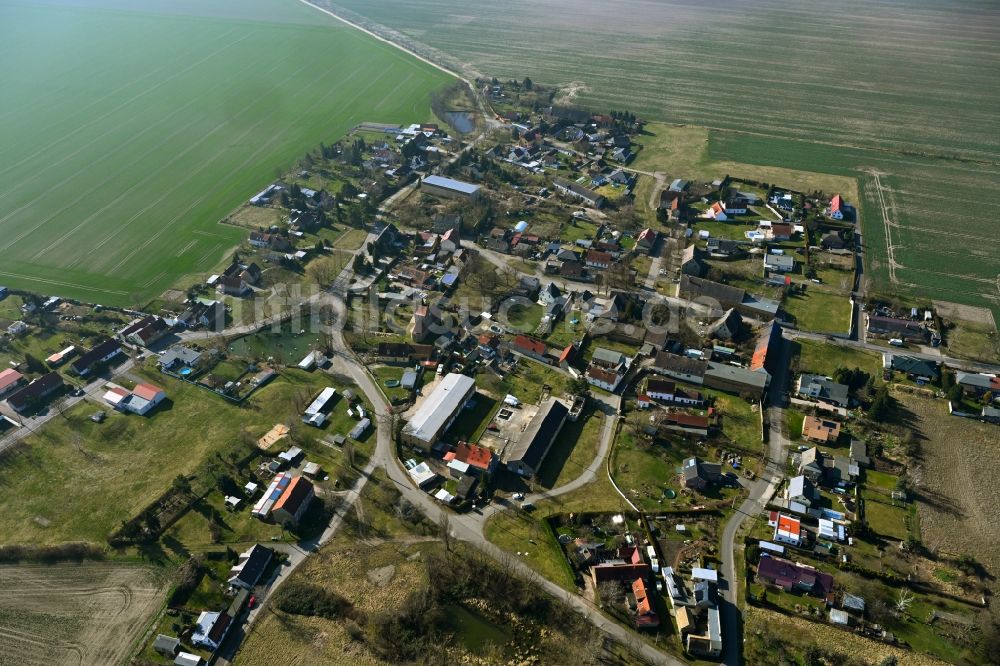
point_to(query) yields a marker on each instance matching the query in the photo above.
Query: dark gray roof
(96, 354)
(679, 364)
(828, 389)
(912, 365)
(254, 566)
(723, 293)
(534, 442)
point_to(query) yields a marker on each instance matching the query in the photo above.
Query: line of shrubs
(65, 551)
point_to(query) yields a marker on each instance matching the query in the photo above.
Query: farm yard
(901, 102)
(89, 613)
(116, 172)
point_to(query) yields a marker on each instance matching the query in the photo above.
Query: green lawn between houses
(75, 480)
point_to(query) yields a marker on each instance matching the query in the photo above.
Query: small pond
(475, 631)
(463, 121)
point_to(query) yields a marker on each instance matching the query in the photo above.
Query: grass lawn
(116, 171)
(975, 341)
(529, 539)
(565, 333)
(386, 373)
(823, 359)
(886, 520)
(590, 345)
(574, 449)
(819, 311)
(881, 480)
(644, 471)
(523, 318)
(526, 381)
(473, 420)
(794, 419)
(730, 230)
(578, 230)
(352, 239)
(740, 419)
(106, 473)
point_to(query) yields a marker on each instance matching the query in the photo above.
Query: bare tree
(445, 529)
(611, 592)
(903, 600)
(322, 271)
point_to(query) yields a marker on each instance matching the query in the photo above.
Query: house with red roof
(794, 576)
(10, 379)
(597, 259)
(605, 378)
(837, 207)
(479, 458)
(141, 400)
(532, 348)
(294, 501)
(646, 239)
(717, 212)
(641, 606)
(787, 529)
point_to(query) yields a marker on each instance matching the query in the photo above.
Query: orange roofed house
(294, 501)
(479, 458)
(641, 605)
(820, 430)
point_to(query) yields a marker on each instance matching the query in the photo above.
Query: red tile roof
(477, 456)
(295, 493)
(602, 375)
(689, 420)
(567, 354)
(642, 604)
(595, 257)
(530, 344)
(146, 391)
(8, 378)
(835, 203)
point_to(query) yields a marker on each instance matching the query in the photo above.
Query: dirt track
(75, 614)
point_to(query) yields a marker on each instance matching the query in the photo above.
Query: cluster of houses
(518, 438)
(211, 628)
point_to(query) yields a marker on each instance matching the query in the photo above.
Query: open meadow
(900, 96)
(89, 613)
(956, 478)
(139, 125)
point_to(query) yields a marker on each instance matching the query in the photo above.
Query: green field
(130, 128)
(848, 87)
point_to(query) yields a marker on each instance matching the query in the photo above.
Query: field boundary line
(387, 41)
(59, 283)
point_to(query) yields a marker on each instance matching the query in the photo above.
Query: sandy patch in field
(74, 614)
